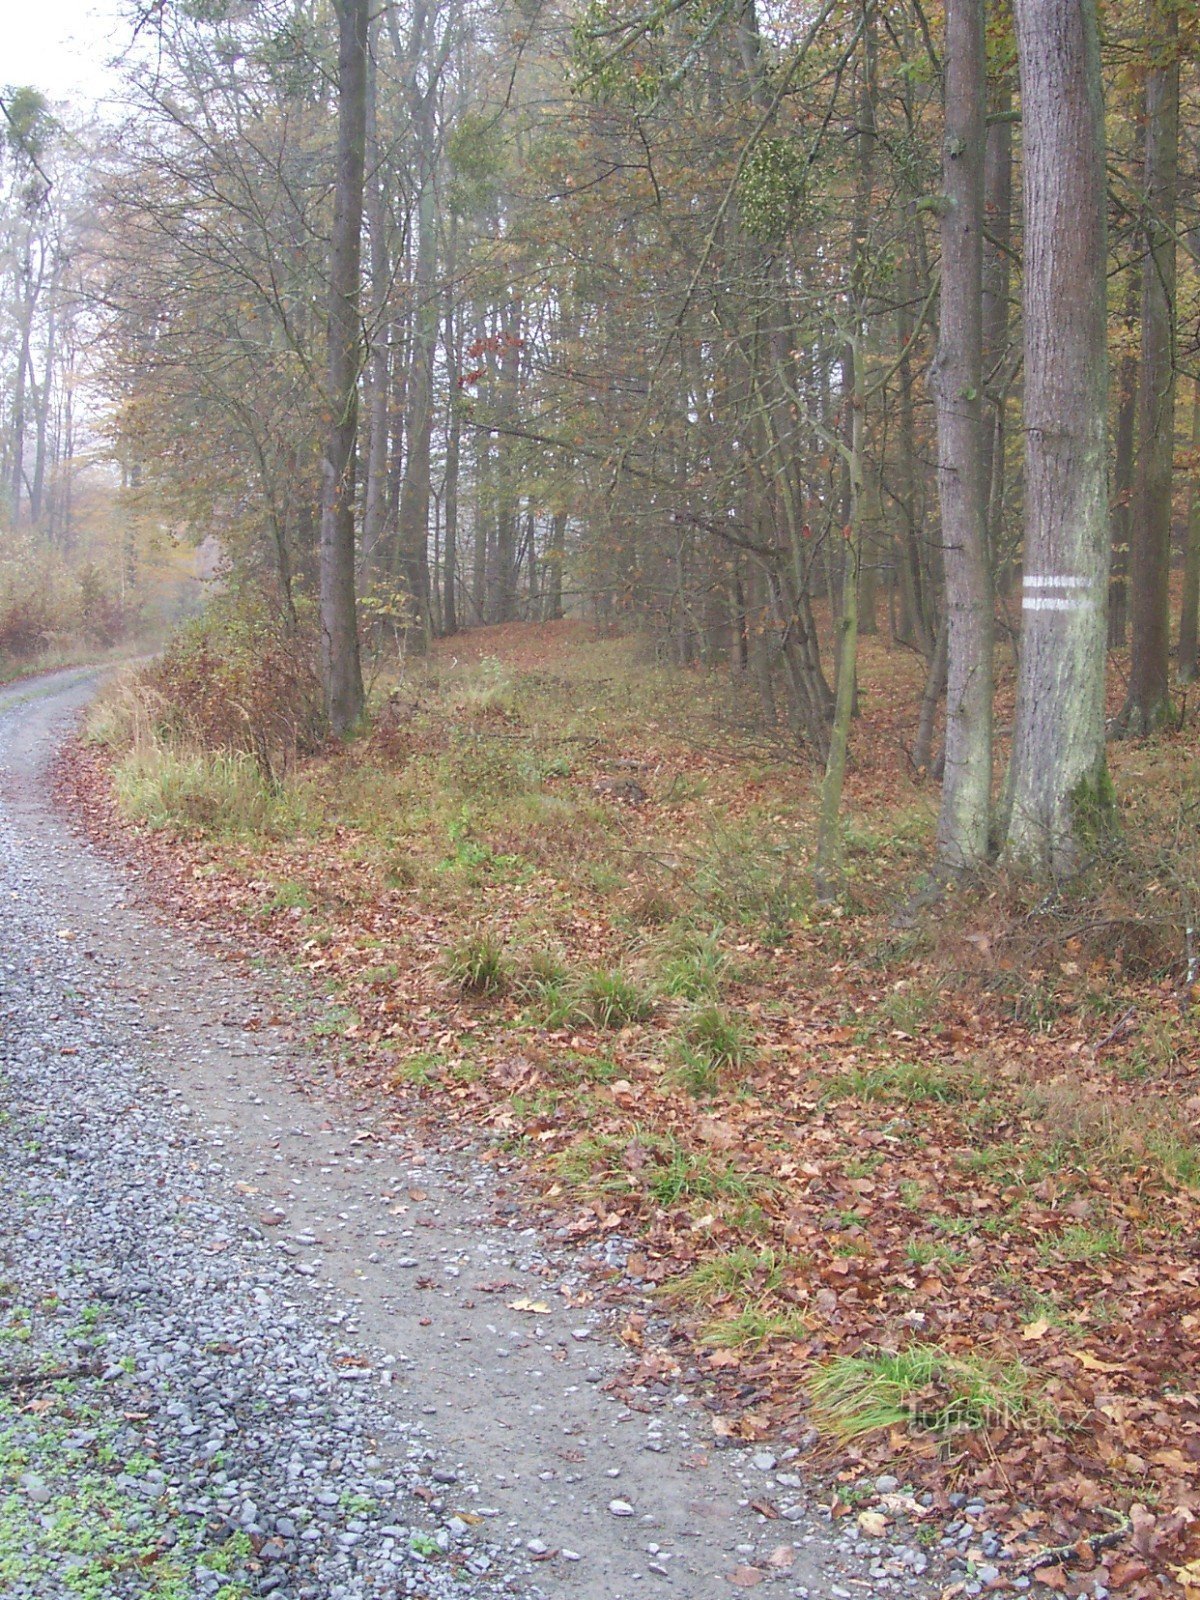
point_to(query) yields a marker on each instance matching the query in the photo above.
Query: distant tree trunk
(1148, 703)
(375, 502)
(25, 306)
(1059, 782)
(913, 625)
(341, 668)
(1121, 515)
(553, 608)
(505, 483)
(828, 867)
(962, 833)
(1188, 664)
(997, 271)
(870, 549)
(414, 492)
(453, 460)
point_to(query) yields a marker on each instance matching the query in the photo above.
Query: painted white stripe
(1040, 582)
(1047, 602)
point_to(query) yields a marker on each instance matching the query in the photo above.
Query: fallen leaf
(534, 1307)
(1036, 1330)
(746, 1577)
(1093, 1363)
(872, 1523)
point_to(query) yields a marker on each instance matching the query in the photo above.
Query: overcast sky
(63, 47)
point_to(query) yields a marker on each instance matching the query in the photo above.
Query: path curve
(304, 1321)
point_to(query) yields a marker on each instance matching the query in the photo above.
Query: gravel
(220, 1374)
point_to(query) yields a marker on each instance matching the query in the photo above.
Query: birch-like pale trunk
(1058, 780)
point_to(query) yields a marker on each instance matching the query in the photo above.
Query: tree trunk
(1148, 703)
(453, 460)
(375, 500)
(828, 867)
(1188, 664)
(1059, 783)
(962, 833)
(997, 368)
(1121, 514)
(414, 492)
(341, 668)
(553, 608)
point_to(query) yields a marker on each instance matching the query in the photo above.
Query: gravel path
(252, 1342)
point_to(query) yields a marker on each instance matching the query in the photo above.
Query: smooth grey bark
(340, 664)
(1058, 779)
(963, 821)
(1148, 702)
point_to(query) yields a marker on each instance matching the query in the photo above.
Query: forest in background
(664, 315)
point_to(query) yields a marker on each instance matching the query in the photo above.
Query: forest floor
(914, 1196)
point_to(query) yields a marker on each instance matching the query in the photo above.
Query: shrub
(241, 681)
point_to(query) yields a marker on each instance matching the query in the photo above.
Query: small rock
(620, 1508)
(763, 1461)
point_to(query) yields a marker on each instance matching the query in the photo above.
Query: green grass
(907, 1083)
(736, 1272)
(657, 1163)
(478, 965)
(1082, 1243)
(755, 1325)
(693, 966)
(608, 998)
(925, 1387)
(924, 1252)
(712, 1042)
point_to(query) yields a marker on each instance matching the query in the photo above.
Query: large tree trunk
(340, 665)
(1058, 783)
(1148, 704)
(962, 834)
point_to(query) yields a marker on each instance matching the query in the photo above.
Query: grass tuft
(924, 1387)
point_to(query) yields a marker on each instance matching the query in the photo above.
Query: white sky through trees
(64, 47)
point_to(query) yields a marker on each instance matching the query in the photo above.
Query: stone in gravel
(987, 1574)
(620, 1508)
(886, 1484)
(570, 1555)
(763, 1461)
(444, 1475)
(536, 1547)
